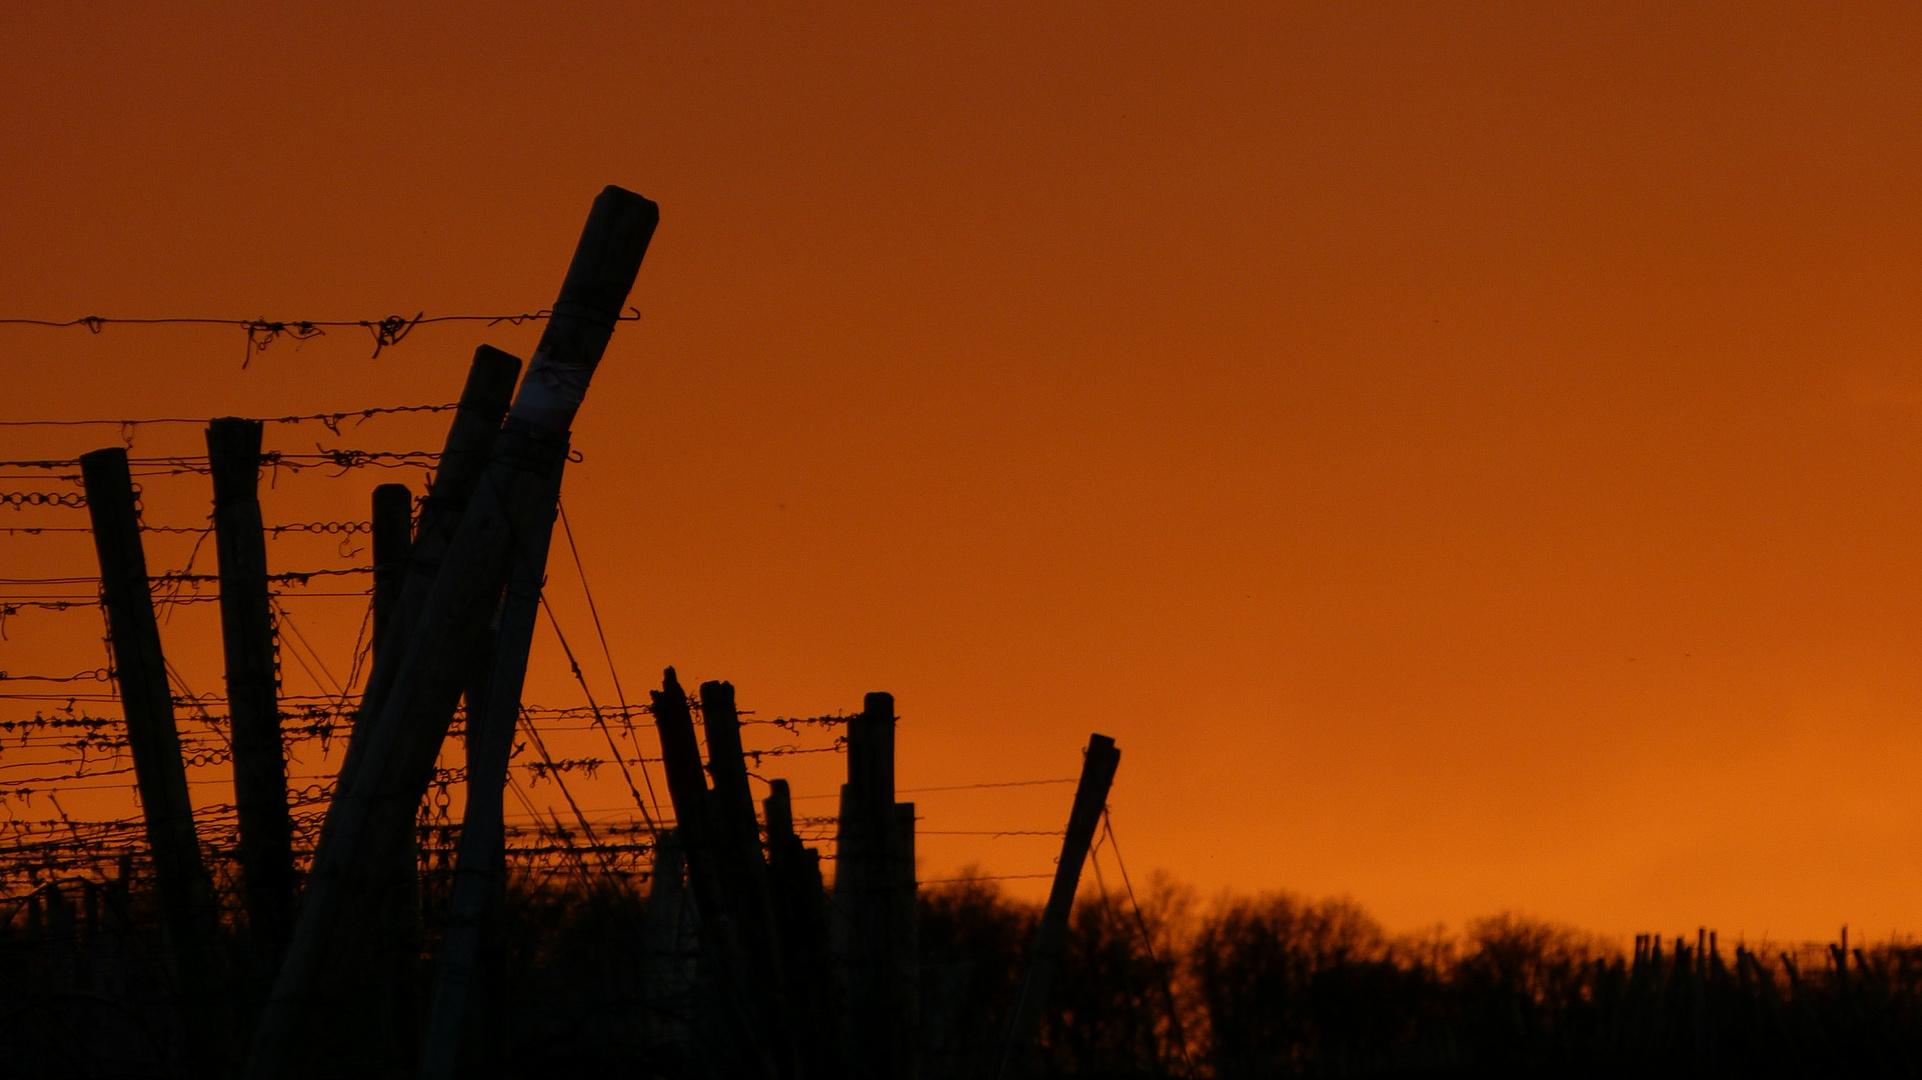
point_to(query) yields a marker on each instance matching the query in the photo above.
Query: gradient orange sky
(1468, 456)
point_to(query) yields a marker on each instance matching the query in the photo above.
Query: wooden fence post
(1090, 797)
(490, 741)
(744, 872)
(393, 524)
(697, 827)
(470, 443)
(180, 876)
(670, 944)
(398, 934)
(800, 914)
(904, 918)
(407, 561)
(253, 699)
(873, 928)
(372, 808)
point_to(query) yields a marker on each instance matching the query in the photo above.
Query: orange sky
(1469, 457)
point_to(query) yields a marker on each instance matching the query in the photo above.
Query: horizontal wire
(263, 332)
(329, 419)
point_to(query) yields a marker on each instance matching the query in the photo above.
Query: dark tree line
(1269, 986)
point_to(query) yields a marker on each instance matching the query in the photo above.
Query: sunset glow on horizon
(1469, 458)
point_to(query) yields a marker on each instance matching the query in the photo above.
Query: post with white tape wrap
(512, 510)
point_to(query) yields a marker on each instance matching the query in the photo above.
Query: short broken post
(393, 525)
(873, 930)
(1090, 798)
(800, 913)
(253, 698)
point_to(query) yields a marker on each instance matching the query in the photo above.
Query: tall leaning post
(1090, 798)
(493, 708)
(180, 877)
(253, 699)
(484, 400)
(368, 816)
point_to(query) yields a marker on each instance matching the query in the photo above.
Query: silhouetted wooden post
(904, 935)
(399, 934)
(705, 851)
(1090, 797)
(180, 877)
(405, 569)
(464, 455)
(490, 745)
(872, 927)
(253, 699)
(687, 789)
(393, 523)
(670, 944)
(738, 834)
(374, 806)
(800, 915)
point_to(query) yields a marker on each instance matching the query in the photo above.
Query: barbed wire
(260, 333)
(331, 420)
(169, 465)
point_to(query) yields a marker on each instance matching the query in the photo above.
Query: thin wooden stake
(253, 700)
(398, 931)
(140, 668)
(1090, 797)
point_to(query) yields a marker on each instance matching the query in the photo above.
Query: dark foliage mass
(1270, 986)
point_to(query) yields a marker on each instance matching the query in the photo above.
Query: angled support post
(1090, 797)
(374, 806)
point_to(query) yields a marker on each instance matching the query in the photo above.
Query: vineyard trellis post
(396, 960)
(800, 913)
(493, 708)
(373, 808)
(146, 699)
(393, 529)
(405, 568)
(874, 903)
(253, 699)
(737, 834)
(1090, 798)
(484, 400)
(722, 948)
